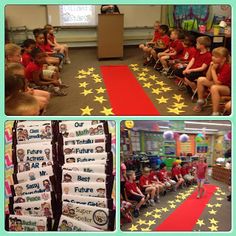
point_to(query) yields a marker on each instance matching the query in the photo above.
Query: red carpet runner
(185, 217)
(126, 95)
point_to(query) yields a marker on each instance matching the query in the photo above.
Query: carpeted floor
(216, 215)
(87, 93)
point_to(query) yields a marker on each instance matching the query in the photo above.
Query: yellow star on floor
(153, 77)
(86, 111)
(161, 83)
(80, 77)
(213, 221)
(213, 228)
(101, 90)
(145, 69)
(86, 92)
(178, 196)
(217, 194)
(157, 210)
(133, 65)
(165, 89)
(177, 97)
(156, 91)
(177, 200)
(147, 85)
(172, 202)
(91, 69)
(145, 229)
(157, 216)
(133, 228)
(142, 74)
(83, 85)
(95, 75)
(81, 71)
(174, 110)
(219, 198)
(218, 205)
(87, 73)
(164, 209)
(223, 193)
(107, 111)
(200, 222)
(179, 105)
(212, 212)
(141, 222)
(142, 79)
(151, 222)
(148, 214)
(172, 206)
(100, 99)
(97, 80)
(209, 205)
(135, 68)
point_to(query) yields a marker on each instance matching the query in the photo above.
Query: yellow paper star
(107, 111)
(83, 85)
(178, 97)
(135, 68)
(86, 111)
(95, 75)
(100, 99)
(157, 216)
(145, 69)
(86, 92)
(157, 210)
(213, 221)
(133, 228)
(101, 90)
(91, 69)
(147, 85)
(141, 222)
(219, 199)
(161, 83)
(142, 79)
(151, 222)
(97, 80)
(148, 214)
(210, 205)
(200, 222)
(218, 205)
(156, 91)
(133, 65)
(81, 71)
(87, 73)
(172, 206)
(177, 200)
(145, 229)
(174, 110)
(142, 74)
(153, 77)
(80, 77)
(165, 89)
(213, 228)
(212, 212)
(164, 209)
(171, 202)
(179, 105)
(217, 194)
(223, 193)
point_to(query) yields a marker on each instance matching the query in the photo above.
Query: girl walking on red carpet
(201, 174)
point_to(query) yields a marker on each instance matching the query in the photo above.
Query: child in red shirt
(218, 79)
(147, 187)
(164, 178)
(175, 49)
(28, 45)
(176, 174)
(201, 174)
(134, 193)
(198, 64)
(153, 177)
(185, 173)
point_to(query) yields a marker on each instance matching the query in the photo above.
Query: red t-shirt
(184, 171)
(176, 46)
(25, 59)
(144, 180)
(201, 170)
(153, 176)
(187, 54)
(44, 47)
(130, 186)
(175, 171)
(201, 58)
(224, 74)
(162, 175)
(156, 36)
(165, 40)
(30, 69)
(51, 37)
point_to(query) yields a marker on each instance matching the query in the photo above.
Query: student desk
(217, 40)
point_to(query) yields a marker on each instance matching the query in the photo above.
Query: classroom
(175, 175)
(112, 60)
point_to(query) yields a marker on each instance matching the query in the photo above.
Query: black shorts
(159, 50)
(136, 198)
(191, 77)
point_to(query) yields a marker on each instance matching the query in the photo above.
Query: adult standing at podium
(110, 9)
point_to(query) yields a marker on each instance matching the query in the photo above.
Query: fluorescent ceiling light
(205, 123)
(164, 127)
(194, 129)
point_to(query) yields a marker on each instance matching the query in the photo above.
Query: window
(77, 15)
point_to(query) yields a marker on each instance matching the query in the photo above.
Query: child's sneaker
(67, 61)
(203, 192)
(157, 199)
(60, 93)
(136, 213)
(152, 203)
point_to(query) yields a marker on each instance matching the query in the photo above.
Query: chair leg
(157, 61)
(194, 93)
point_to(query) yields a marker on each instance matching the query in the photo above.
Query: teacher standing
(110, 9)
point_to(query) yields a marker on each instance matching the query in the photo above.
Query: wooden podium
(110, 35)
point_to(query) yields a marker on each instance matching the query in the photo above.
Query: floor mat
(126, 95)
